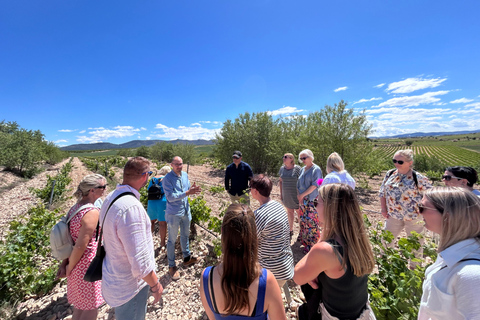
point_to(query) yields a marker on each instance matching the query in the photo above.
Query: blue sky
(115, 71)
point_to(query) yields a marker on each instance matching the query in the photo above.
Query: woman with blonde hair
(336, 171)
(401, 191)
(157, 203)
(307, 189)
(238, 287)
(289, 174)
(450, 289)
(339, 264)
(85, 296)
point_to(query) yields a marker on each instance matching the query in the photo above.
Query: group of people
(256, 245)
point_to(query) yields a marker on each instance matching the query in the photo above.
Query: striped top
(273, 231)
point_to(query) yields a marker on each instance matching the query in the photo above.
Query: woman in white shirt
(336, 172)
(450, 289)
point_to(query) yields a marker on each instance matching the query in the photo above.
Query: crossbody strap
(98, 224)
(467, 259)
(78, 210)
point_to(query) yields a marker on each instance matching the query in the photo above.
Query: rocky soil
(181, 299)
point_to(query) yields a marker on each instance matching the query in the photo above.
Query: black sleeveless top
(345, 297)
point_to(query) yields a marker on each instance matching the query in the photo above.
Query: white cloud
(143, 129)
(284, 110)
(475, 105)
(413, 84)
(148, 138)
(211, 122)
(83, 131)
(101, 134)
(67, 130)
(379, 85)
(196, 124)
(367, 100)
(413, 112)
(60, 141)
(462, 100)
(413, 101)
(459, 123)
(193, 132)
(341, 89)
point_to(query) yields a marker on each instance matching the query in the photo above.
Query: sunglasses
(448, 178)
(400, 162)
(286, 157)
(422, 208)
(101, 187)
(148, 172)
(304, 158)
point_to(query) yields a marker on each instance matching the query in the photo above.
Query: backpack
(155, 192)
(61, 242)
(414, 174)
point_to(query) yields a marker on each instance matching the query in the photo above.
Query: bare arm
(383, 203)
(273, 299)
(281, 192)
(319, 259)
(156, 287)
(307, 192)
(88, 226)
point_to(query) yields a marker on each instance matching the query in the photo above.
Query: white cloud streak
(462, 100)
(341, 89)
(284, 110)
(367, 100)
(379, 85)
(67, 130)
(413, 101)
(193, 132)
(102, 134)
(413, 84)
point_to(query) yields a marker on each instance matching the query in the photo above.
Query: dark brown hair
(262, 184)
(136, 166)
(240, 256)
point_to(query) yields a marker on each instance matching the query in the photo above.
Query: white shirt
(450, 289)
(339, 177)
(128, 243)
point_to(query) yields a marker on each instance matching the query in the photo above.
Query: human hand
(69, 269)
(62, 270)
(300, 199)
(385, 214)
(156, 294)
(194, 189)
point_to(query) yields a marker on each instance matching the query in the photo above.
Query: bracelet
(154, 287)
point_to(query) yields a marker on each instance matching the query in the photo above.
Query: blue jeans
(173, 223)
(135, 308)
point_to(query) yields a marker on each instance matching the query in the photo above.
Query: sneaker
(174, 274)
(189, 260)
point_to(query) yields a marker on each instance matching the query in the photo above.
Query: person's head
(453, 213)
(136, 172)
(288, 159)
(177, 165)
(460, 177)
(237, 157)
(340, 213)
(262, 185)
(306, 156)
(403, 160)
(164, 170)
(335, 163)
(94, 184)
(240, 256)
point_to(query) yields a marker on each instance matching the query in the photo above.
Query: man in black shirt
(237, 176)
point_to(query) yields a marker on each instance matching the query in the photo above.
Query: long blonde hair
(461, 211)
(343, 218)
(335, 163)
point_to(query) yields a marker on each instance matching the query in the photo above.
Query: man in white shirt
(129, 265)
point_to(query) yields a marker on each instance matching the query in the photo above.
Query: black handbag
(310, 309)
(94, 271)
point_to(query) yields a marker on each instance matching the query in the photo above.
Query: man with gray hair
(128, 273)
(178, 216)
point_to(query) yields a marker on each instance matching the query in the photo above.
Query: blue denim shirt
(176, 188)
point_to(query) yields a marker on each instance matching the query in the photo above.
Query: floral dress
(81, 294)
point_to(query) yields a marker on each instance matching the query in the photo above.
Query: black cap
(237, 154)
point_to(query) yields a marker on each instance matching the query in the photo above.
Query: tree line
(24, 151)
(263, 140)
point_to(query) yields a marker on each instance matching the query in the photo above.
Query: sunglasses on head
(422, 208)
(447, 177)
(400, 162)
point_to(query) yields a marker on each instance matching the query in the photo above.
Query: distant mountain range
(426, 134)
(131, 144)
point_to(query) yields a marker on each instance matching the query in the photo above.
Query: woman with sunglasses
(400, 193)
(463, 177)
(289, 174)
(85, 296)
(339, 264)
(307, 189)
(450, 289)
